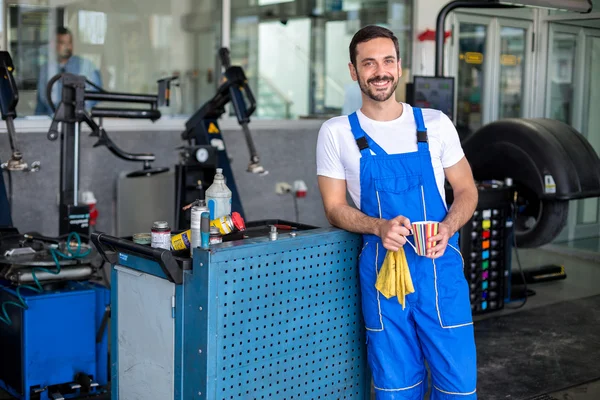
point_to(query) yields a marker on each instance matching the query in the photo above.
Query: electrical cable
(38, 287)
(296, 210)
(513, 207)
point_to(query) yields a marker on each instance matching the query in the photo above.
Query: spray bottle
(218, 197)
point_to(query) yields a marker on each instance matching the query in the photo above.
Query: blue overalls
(436, 324)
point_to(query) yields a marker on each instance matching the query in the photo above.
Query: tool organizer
(485, 243)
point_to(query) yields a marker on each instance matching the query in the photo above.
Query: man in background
(66, 62)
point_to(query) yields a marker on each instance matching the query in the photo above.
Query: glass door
(472, 68)
(513, 69)
(573, 96)
(587, 209)
(491, 62)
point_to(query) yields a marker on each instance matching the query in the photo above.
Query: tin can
(228, 223)
(182, 240)
(161, 235)
(142, 238)
(215, 235)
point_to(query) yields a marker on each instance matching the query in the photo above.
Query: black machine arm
(73, 110)
(9, 98)
(234, 88)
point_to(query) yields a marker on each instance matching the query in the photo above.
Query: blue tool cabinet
(57, 337)
(250, 319)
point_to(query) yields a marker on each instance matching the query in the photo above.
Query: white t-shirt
(338, 155)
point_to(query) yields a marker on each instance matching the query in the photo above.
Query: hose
(21, 303)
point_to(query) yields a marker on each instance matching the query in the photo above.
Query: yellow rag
(394, 277)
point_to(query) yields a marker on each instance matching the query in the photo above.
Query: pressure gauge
(202, 155)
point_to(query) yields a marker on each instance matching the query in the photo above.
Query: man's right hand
(393, 232)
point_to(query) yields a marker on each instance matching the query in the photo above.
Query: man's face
(64, 46)
(377, 68)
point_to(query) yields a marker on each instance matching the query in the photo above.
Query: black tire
(538, 222)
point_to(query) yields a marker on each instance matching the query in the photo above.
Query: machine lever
(57, 396)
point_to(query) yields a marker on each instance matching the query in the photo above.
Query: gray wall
(288, 154)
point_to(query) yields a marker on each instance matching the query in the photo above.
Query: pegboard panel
(289, 325)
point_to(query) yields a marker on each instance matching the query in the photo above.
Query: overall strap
(363, 141)
(421, 129)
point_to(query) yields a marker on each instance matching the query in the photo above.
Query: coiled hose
(38, 287)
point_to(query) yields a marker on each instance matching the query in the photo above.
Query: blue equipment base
(249, 319)
(53, 340)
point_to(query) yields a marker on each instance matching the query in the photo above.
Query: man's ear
(353, 73)
(399, 67)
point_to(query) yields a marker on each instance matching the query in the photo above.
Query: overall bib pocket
(452, 290)
(402, 195)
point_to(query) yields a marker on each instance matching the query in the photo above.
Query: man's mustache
(380, 78)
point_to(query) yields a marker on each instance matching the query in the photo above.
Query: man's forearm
(462, 209)
(353, 220)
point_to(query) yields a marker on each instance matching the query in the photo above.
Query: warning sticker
(549, 184)
(212, 128)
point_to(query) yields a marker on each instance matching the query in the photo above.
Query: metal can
(161, 235)
(215, 235)
(182, 240)
(228, 223)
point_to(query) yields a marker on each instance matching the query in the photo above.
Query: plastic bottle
(218, 197)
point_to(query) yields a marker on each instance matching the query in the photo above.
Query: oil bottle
(218, 197)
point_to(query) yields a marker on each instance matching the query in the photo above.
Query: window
(294, 55)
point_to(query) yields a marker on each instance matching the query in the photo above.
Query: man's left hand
(441, 238)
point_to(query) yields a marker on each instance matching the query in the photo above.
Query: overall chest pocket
(401, 195)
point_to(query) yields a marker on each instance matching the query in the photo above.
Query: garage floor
(582, 265)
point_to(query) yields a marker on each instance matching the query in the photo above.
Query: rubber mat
(539, 351)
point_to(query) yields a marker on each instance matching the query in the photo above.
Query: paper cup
(422, 231)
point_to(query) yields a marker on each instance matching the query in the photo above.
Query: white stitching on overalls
(378, 303)
(398, 390)
(455, 393)
(437, 307)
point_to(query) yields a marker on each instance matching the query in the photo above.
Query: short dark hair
(372, 32)
(61, 30)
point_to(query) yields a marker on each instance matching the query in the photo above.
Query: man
(395, 175)
(67, 62)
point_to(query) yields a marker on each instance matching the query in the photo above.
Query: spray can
(181, 241)
(228, 223)
(218, 197)
(161, 235)
(195, 221)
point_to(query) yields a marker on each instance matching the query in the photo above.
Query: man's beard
(372, 90)
(65, 55)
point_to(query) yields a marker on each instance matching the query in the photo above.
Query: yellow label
(486, 224)
(221, 224)
(182, 240)
(212, 128)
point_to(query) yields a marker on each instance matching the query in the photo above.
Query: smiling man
(393, 160)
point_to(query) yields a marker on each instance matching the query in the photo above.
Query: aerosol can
(218, 197)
